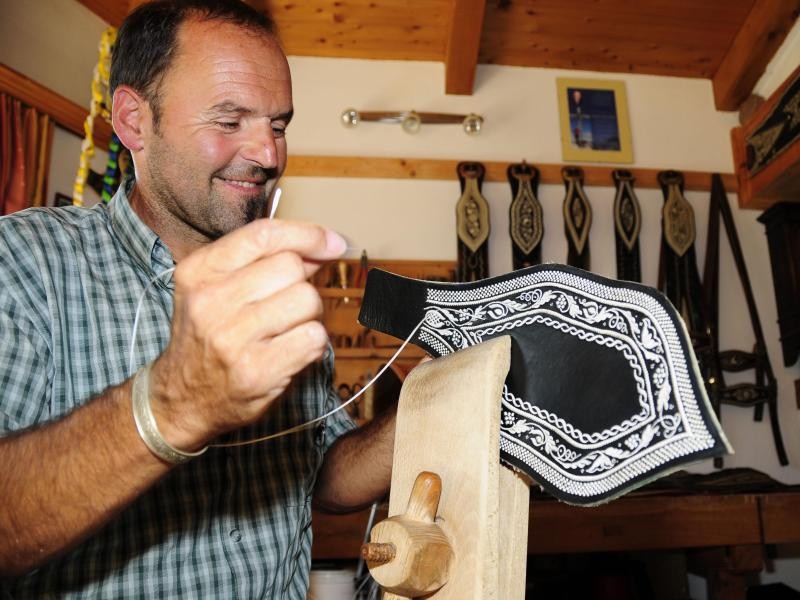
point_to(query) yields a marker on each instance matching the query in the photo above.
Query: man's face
(220, 145)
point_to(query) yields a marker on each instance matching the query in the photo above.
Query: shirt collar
(139, 240)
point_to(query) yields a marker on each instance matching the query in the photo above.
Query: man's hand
(245, 321)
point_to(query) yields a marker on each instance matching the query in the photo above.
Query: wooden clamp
(420, 546)
(448, 423)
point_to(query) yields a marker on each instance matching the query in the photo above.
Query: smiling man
(120, 484)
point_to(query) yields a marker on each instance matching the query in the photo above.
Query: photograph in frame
(594, 121)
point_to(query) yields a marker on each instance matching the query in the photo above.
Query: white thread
(275, 201)
(136, 318)
(296, 428)
(352, 398)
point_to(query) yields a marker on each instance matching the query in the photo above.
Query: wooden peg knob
(377, 553)
(409, 554)
(424, 500)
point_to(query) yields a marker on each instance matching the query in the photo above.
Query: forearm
(64, 480)
(358, 468)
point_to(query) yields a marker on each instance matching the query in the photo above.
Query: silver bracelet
(146, 422)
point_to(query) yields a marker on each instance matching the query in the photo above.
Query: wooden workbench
(724, 534)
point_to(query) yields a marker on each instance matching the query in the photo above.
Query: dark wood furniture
(782, 223)
(724, 535)
(766, 149)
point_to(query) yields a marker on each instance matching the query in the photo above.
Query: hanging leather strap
(472, 224)
(678, 276)
(764, 391)
(577, 218)
(627, 226)
(525, 218)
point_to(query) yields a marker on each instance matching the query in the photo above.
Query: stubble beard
(207, 212)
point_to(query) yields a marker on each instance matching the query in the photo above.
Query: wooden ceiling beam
(759, 38)
(463, 44)
(111, 11)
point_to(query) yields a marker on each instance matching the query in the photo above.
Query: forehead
(215, 58)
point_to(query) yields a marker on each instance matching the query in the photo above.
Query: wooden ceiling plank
(463, 43)
(760, 36)
(111, 11)
(64, 112)
(660, 37)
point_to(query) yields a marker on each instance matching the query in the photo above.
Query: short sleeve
(24, 368)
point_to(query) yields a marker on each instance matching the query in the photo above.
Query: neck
(174, 233)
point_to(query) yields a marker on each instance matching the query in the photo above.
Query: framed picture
(594, 120)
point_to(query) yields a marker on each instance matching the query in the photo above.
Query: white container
(336, 584)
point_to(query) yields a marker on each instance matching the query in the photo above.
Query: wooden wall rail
(423, 168)
(64, 112)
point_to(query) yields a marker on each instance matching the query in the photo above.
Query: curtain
(26, 140)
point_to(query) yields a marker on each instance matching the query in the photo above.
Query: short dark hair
(147, 40)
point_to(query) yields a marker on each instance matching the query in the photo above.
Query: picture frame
(594, 123)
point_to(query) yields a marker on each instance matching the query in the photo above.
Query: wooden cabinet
(766, 149)
(361, 352)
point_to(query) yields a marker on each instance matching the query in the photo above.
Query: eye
(227, 125)
(279, 131)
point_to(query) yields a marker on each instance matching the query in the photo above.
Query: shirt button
(236, 535)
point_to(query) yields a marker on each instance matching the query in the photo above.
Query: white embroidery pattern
(669, 423)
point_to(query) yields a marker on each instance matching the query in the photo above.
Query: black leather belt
(577, 218)
(525, 220)
(627, 225)
(678, 276)
(472, 222)
(764, 391)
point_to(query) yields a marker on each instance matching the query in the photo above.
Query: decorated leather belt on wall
(525, 219)
(577, 218)
(472, 224)
(764, 391)
(678, 276)
(627, 226)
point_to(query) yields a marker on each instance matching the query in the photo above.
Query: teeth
(248, 184)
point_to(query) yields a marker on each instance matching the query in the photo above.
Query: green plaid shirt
(234, 523)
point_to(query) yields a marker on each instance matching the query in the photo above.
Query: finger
(265, 277)
(289, 353)
(263, 238)
(277, 314)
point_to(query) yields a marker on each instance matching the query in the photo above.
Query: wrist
(151, 429)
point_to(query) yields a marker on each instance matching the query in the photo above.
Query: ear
(131, 118)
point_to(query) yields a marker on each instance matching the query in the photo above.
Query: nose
(260, 146)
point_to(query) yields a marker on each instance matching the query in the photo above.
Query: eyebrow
(228, 107)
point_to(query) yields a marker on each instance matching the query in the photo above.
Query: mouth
(243, 184)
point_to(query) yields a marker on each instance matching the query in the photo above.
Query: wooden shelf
(341, 292)
(630, 523)
(436, 169)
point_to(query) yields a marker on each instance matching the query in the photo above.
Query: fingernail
(337, 244)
